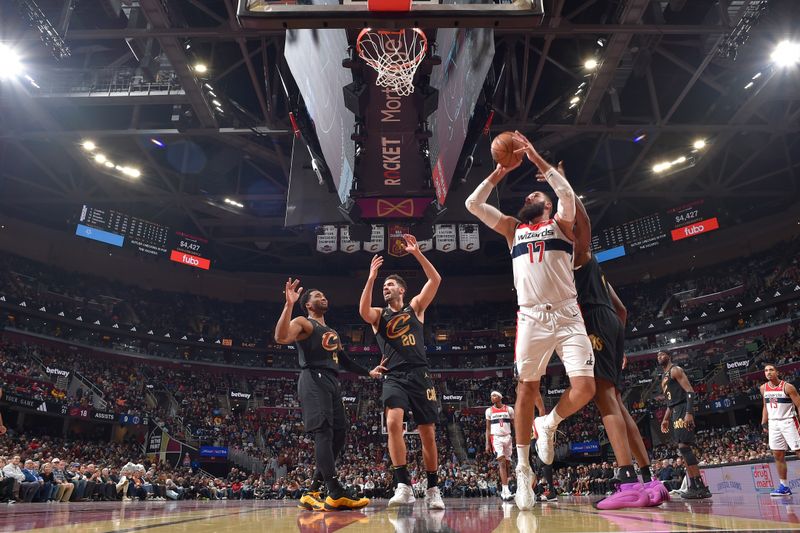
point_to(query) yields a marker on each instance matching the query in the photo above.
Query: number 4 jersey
(400, 337)
(541, 256)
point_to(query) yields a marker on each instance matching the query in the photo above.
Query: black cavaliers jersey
(321, 349)
(401, 338)
(672, 389)
(592, 286)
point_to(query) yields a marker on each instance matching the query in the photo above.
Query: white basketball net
(395, 56)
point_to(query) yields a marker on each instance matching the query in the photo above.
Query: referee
(321, 357)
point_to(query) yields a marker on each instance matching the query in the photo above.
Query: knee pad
(688, 455)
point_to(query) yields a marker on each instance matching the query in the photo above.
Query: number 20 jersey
(541, 257)
(401, 338)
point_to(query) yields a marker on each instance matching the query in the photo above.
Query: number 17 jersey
(541, 257)
(401, 338)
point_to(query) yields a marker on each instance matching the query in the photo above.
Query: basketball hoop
(395, 56)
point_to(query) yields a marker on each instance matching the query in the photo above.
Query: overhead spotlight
(574, 100)
(216, 103)
(212, 94)
(786, 54)
(200, 68)
(640, 138)
(601, 42)
(661, 167)
(681, 159)
(749, 85)
(207, 86)
(157, 142)
(10, 63)
(757, 75)
(233, 203)
(109, 164)
(88, 145)
(699, 144)
(132, 172)
(590, 64)
(673, 340)
(100, 158)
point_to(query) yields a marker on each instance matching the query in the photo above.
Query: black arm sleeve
(351, 366)
(690, 403)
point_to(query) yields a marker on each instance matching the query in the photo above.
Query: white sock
(783, 482)
(505, 488)
(522, 454)
(553, 418)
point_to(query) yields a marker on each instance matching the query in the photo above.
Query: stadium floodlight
(200, 68)
(10, 63)
(88, 145)
(574, 100)
(100, 158)
(699, 144)
(786, 54)
(590, 64)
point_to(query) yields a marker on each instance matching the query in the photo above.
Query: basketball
(503, 147)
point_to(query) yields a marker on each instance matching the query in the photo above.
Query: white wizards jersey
(541, 256)
(500, 420)
(779, 404)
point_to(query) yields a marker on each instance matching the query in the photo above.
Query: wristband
(689, 403)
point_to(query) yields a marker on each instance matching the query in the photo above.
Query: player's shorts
(321, 400)
(680, 433)
(502, 445)
(784, 434)
(545, 328)
(607, 336)
(412, 391)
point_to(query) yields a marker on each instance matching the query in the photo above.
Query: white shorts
(543, 329)
(502, 445)
(784, 435)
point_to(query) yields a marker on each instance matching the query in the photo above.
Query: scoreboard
(144, 236)
(674, 224)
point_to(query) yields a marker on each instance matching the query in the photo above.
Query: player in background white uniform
(541, 245)
(779, 418)
(499, 419)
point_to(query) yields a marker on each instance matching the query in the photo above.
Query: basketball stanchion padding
(389, 5)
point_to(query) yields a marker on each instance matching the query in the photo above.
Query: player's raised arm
(583, 232)
(421, 301)
(287, 330)
(371, 315)
(565, 215)
(489, 214)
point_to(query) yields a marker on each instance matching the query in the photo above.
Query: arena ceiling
(670, 72)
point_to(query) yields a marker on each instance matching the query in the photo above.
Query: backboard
(270, 15)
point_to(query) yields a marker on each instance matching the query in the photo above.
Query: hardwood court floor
(723, 513)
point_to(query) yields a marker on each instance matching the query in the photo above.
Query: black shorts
(680, 434)
(412, 391)
(321, 400)
(607, 335)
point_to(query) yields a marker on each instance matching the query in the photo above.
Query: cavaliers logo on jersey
(330, 341)
(398, 326)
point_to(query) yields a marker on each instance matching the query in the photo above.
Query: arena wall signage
(591, 446)
(759, 478)
(57, 371)
(455, 398)
(737, 365)
(213, 451)
(555, 392)
(241, 395)
(350, 399)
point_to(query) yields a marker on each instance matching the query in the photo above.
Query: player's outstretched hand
(292, 292)
(665, 426)
(412, 246)
(377, 262)
(688, 420)
(3, 430)
(380, 370)
(526, 146)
